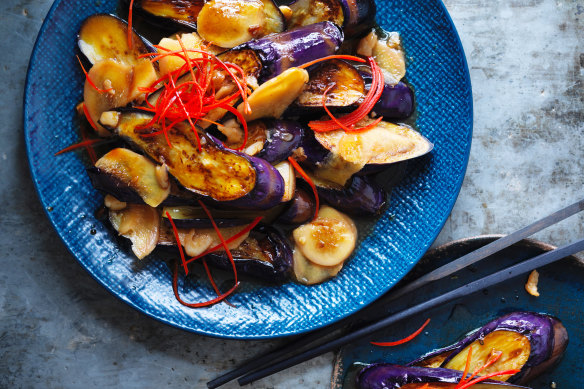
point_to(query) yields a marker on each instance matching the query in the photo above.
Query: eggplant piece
(380, 146)
(396, 101)
(347, 87)
(195, 217)
(279, 52)
(140, 224)
(220, 174)
(354, 16)
(363, 197)
(327, 240)
(282, 137)
(385, 47)
(532, 342)
(388, 376)
(228, 23)
(266, 254)
(125, 172)
(123, 82)
(300, 210)
(103, 36)
(171, 14)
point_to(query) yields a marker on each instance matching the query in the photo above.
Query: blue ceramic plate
(419, 205)
(561, 287)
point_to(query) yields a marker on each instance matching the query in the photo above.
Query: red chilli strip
(221, 238)
(491, 360)
(196, 305)
(90, 80)
(303, 174)
(180, 249)
(79, 145)
(466, 367)
(208, 271)
(88, 117)
(88, 148)
(231, 239)
(363, 110)
(130, 12)
(404, 340)
(486, 377)
(348, 57)
(340, 124)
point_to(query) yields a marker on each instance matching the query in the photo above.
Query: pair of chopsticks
(297, 351)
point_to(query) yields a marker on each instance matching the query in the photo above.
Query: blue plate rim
(144, 310)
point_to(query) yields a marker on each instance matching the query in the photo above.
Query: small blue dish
(388, 250)
(561, 287)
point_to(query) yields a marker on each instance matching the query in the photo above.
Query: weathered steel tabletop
(60, 329)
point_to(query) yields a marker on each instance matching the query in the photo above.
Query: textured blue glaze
(419, 206)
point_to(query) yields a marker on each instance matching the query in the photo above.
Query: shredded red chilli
(303, 174)
(191, 100)
(468, 382)
(404, 340)
(90, 81)
(349, 121)
(130, 14)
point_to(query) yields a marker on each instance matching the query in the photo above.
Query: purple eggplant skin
(363, 197)
(387, 376)
(273, 245)
(268, 189)
(359, 16)
(547, 336)
(396, 102)
(279, 52)
(301, 208)
(283, 137)
(313, 152)
(109, 184)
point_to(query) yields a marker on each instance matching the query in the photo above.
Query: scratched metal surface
(59, 329)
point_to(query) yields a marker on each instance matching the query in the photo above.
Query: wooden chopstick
(372, 312)
(473, 287)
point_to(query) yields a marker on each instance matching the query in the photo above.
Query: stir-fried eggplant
(282, 137)
(265, 254)
(354, 16)
(396, 101)
(103, 36)
(361, 198)
(131, 177)
(529, 341)
(195, 216)
(388, 376)
(279, 52)
(213, 171)
(384, 144)
(300, 210)
(120, 85)
(342, 82)
(228, 23)
(170, 13)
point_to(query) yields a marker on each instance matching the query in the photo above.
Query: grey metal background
(60, 329)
